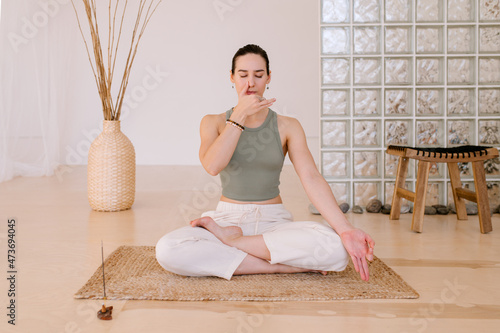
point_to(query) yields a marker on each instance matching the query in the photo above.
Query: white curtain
(35, 45)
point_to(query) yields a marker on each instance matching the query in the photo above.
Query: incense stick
(105, 313)
(103, 279)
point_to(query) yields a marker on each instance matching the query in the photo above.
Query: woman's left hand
(360, 246)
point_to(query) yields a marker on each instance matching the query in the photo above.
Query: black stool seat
(452, 152)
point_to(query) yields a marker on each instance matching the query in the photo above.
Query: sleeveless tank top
(253, 173)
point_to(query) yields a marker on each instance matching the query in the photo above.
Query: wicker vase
(111, 170)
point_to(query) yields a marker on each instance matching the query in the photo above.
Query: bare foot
(227, 235)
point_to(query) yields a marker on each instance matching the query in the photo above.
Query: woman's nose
(251, 83)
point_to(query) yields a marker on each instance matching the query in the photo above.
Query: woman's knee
(328, 259)
(328, 253)
(340, 260)
(165, 252)
(332, 253)
(171, 248)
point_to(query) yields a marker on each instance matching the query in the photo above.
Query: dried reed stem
(104, 70)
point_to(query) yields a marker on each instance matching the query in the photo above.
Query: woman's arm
(217, 149)
(218, 139)
(358, 244)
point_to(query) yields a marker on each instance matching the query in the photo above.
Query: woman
(251, 232)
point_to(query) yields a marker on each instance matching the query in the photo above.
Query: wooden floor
(455, 269)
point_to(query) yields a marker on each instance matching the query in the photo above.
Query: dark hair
(250, 48)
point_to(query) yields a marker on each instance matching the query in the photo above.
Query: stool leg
(400, 183)
(457, 183)
(420, 194)
(483, 204)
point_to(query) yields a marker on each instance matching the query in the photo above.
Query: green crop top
(253, 173)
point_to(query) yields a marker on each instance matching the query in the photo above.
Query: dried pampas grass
(104, 68)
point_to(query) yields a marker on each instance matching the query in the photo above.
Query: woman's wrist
(341, 225)
(235, 124)
(238, 116)
(344, 229)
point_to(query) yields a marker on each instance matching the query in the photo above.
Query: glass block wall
(406, 72)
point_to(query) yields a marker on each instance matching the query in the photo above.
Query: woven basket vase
(111, 170)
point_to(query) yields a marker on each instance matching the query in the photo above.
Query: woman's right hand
(250, 104)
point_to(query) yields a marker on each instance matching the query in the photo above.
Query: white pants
(197, 252)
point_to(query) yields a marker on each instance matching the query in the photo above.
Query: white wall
(194, 44)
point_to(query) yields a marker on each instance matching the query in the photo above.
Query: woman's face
(250, 68)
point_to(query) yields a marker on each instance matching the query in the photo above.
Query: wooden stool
(450, 156)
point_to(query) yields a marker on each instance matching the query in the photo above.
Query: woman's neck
(256, 119)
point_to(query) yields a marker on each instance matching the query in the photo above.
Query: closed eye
(259, 77)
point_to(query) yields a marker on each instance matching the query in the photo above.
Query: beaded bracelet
(235, 124)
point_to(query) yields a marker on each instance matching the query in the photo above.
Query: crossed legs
(257, 260)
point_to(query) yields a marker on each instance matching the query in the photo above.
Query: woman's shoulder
(214, 120)
(288, 123)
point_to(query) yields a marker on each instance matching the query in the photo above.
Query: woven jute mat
(132, 272)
